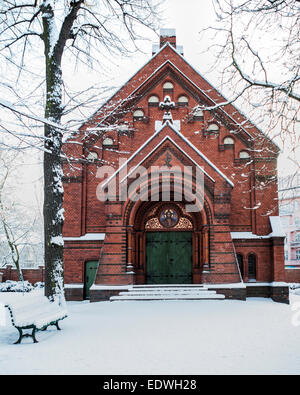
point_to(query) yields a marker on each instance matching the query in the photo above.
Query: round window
(168, 218)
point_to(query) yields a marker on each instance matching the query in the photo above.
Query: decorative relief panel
(167, 218)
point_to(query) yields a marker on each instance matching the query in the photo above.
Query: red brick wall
(263, 252)
(31, 275)
(292, 275)
(75, 256)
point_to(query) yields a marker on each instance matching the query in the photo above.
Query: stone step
(167, 286)
(167, 297)
(168, 290)
(166, 293)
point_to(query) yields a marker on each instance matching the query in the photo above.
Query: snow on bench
(33, 311)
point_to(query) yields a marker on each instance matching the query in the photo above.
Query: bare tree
(20, 230)
(258, 52)
(86, 30)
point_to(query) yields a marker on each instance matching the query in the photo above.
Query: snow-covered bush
(294, 286)
(16, 286)
(39, 285)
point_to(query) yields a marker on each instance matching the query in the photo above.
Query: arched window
(213, 128)
(153, 101)
(138, 115)
(240, 260)
(251, 267)
(228, 141)
(183, 100)
(244, 155)
(168, 86)
(92, 156)
(108, 142)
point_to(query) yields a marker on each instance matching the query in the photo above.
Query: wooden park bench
(36, 313)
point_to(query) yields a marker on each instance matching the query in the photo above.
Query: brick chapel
(167, 115)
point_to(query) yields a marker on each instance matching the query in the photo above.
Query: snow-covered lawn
(171, 337)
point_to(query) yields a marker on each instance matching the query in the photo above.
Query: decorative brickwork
(167, 136)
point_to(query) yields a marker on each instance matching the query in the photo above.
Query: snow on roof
(247, 235)
(276, 226)
(277, 230)
(87, 237)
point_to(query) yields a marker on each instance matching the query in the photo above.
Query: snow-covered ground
(170, 337)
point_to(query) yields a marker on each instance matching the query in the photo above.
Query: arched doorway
(167, 245)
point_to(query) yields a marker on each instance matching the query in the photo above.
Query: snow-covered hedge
(19, 286)
(294, 286)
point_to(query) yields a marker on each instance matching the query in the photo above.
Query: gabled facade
(167, 116)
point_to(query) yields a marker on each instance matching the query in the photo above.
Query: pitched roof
(215, 98)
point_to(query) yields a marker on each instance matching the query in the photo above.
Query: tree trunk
(53, 189)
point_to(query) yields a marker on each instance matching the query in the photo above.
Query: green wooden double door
(169, 258)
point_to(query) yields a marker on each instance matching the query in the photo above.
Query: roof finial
(167, 105)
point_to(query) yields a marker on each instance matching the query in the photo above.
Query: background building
(289, 211)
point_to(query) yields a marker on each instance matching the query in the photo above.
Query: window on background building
(108, 142)
(138, 114)
(251, 267)
(297, 238)
(286, 255)
(284, 221)
(286, 209)
(298, 255)
(228, 141)
(153, 101)
(244, 155)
